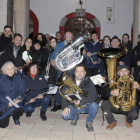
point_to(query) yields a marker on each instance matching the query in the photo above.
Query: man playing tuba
(108, 109)
(70, 111)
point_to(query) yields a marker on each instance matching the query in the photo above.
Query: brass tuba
(69, 56)
(127, 98)
(71, 87)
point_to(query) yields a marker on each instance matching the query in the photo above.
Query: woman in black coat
(37, 84)
(40, 55)
(12, 85)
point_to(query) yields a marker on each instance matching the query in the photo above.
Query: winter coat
(12, 89)
(37, 86)
(40, 57)
(88, 88)
(135, 57)
(52, 73)
(93, 48)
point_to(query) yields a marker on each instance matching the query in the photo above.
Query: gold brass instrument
(127, 97)
(126, 100)
(72, 88)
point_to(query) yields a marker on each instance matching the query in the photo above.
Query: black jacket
(52, 72)
(5, 43)
(135, 57)
(88, 87)
(36, 86)
(106, 93)
(8, 56)
(40, 57)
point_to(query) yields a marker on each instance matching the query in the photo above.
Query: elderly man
(70, 111)
(108, 109)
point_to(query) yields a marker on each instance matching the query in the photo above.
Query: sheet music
(97, 79)
(53, 91)
(25, 56)
(77, 96)
(12, 102)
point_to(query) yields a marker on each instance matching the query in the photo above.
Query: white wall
(3, 14)
(50, 13)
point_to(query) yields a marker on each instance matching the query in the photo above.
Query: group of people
(32, 67)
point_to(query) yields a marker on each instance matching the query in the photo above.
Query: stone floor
(55, 128)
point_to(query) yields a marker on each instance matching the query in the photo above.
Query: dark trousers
(17, 113)
(108, 109)
(91, 72)
(57, 95)
(44, 102)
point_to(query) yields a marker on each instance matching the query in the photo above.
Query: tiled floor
(55, 128)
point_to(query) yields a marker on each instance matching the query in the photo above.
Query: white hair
(3, 69)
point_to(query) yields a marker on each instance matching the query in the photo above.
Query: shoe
(28, 114)
(111, 126)
(17, 122)
(89, 126)
(56, 107)
(129, 125)
(43, 115)
(73, 122)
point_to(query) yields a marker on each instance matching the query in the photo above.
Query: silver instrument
(69, 56)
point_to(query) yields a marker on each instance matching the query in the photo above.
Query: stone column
(3, 14)
(136, 25)
(21, 18)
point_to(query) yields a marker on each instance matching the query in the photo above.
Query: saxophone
(127, 97)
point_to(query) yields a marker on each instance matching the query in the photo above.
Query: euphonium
(72, 88)
(127, 98)
(69, 56)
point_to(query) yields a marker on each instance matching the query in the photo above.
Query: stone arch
(73, 15)
(35, 23)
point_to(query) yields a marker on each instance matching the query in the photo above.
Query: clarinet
(40, 95)
(18, 98)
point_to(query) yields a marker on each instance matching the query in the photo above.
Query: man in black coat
(6, 38)
(108, 109)
(135, 60)
(70, 111)
(14, 52)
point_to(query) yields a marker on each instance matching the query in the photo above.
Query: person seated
(37, 84)
(124, 60)
(12, 85)
(70, 111)
(108, 109)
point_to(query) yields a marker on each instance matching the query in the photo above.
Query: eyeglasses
(33, 68)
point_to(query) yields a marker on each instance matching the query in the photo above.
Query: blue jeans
(44, 102)
(57, 95)
(90, 109)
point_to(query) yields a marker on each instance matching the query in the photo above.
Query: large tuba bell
(71, 87)
(127, 98)
(69, 56)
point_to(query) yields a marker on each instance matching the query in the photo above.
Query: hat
(115, 37)
(122, 67)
